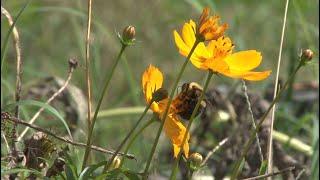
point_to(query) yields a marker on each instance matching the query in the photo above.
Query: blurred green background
(52, 31)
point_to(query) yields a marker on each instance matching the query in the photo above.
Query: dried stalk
(5, 116)
(221, 143)
(37, 114)
(271, 174)
(16, 41)
(245, 90)
(270, 153)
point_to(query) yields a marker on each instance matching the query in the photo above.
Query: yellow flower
(217, 56)
(207, 29)
(152, 80)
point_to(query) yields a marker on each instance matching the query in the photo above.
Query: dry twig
(72, 66)
(5, 116)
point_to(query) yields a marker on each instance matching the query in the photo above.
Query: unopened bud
(195, 161)
(73, 63)
(115, 163)
(128, 33)
(159, 95)
(306, 55)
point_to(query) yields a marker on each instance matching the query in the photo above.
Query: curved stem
(167, 108)
(135, 137)
(127, 137)
(108, 78)
(176, 162)
(253, 131)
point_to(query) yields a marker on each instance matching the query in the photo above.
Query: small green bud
(195, 161)
(159, 95)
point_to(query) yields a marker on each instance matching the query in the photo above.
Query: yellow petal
(216, 65)
(188, 34)
(175, 130)
(249, 75)
(183, 48)
(152, 79)
(244, 60)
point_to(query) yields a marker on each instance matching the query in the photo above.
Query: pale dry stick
(22, 122)
(270, 153)
(300, 174)
(271, 174)
(245, 90)
(88, 79)
(6, 142)
(221, 143)
(37, 114)
(16, 41)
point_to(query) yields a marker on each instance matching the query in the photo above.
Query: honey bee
(186, 100)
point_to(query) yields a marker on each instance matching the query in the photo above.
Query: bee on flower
(152, 80)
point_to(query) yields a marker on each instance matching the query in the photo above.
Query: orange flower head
(209, 27)
(152, 80)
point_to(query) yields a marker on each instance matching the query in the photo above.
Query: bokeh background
(52, 31)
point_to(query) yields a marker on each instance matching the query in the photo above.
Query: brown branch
(6, 116)
(271, 174)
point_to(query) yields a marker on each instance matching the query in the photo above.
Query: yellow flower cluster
(216, 56)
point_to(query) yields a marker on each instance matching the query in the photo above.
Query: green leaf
(85, 174)
(45, 106)
(131, 175)
(18, 170)
(263, 167)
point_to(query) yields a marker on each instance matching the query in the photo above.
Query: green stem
(176, 162)
(167, 108)
(108, 78)
(253, 131)
(127, 137)
(135, 137)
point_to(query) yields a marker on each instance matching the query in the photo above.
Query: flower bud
(115, 163)
(128, 33)
(306, 55)
(159, 95)
(195, 161)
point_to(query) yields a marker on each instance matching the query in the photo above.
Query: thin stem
(221, 143)
(271, 174)
(88, 78)
(176, 162)
(107, 166)
(135, 137)
(167, 108)
(37, 114)
(96, 148)
(245, 90)
(16, 41)
(107, 81)
(236, 168)
(270, 153)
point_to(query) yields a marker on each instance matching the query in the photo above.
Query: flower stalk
(135, 137)
(107, 81)
(176, 162)
(107, 166)
(168, 107)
